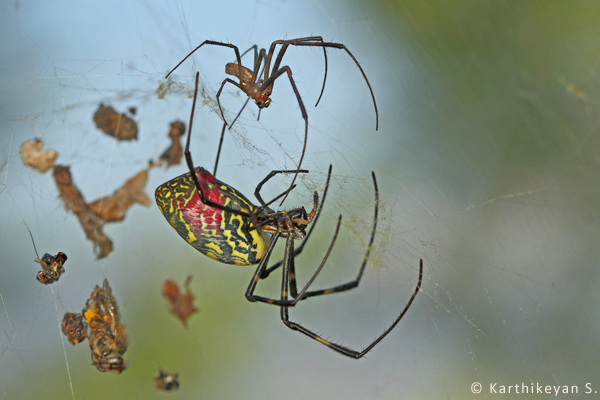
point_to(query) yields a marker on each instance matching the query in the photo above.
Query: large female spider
(223, 224)
(258, 83)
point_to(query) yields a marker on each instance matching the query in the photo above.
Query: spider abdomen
(261, 97)
(215, 233)
(233, 69)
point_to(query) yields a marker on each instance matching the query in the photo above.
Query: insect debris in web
(52, 266)
(114, 207)
(119, 126)
(108, 338)
(74, 327)
(165, 381)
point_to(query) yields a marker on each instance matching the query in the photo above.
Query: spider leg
(341, 46)
(219, 149)
(269, 57)
(336, 347)
(211, 42)
(255, 48)
(240, 113)
(284, 44)
(227, 80)
(270, 81)
(299, 249)
(292, 270)
(190, 163)
(292, 278)
(346, 350)
(261, 266)
(312, 279)
(267, 178)
(288, 257)
(354, 283)
(259, 210)
(250, 86)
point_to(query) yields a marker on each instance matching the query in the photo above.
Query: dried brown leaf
(173, 154)
(32, 155)
(119, 126)
(114, 207)
(179, 304)
(73, 200)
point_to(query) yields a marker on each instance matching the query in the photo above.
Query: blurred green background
(487, 160)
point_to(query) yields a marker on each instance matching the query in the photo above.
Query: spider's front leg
(288, 269)
(218, 96)
(267, 178)
(212, 42)
(268, 83)
(300, 42)
(284, 46)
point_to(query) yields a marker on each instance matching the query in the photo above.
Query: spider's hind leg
(346, 350)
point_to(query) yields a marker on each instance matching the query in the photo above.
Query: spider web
(486, 161)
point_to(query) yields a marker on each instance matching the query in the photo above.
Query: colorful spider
(258, 83)
(224, 225)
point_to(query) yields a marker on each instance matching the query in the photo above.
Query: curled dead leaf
(119, 126)
(173, 154)
(33, 155)
(114, 207)
(73, 200)
(179, 304)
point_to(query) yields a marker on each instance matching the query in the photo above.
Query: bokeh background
(487, 160)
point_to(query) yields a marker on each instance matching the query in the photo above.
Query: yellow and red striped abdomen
(218, 234)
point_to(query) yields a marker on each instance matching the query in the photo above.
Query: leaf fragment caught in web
(179, 304)
(33, 155)
(114, 207)
(73, 200)
(119, 126)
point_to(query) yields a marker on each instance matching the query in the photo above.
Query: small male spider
(223, 224)
(258, 83)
